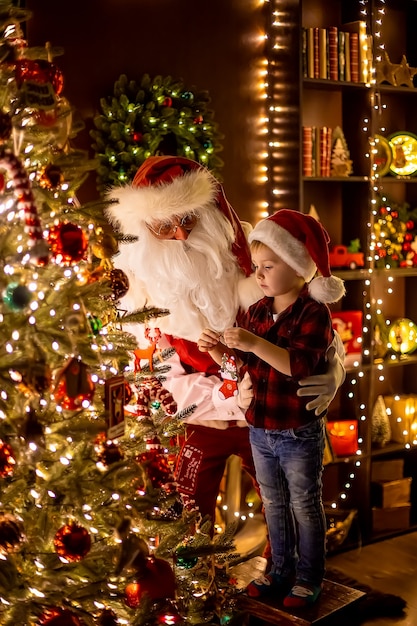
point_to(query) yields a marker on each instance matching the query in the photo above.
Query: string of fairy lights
(270, 124)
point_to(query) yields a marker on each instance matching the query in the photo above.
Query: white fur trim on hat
(326, 289)
(287, 247)
(193, 191)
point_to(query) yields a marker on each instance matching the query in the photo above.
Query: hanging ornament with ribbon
(22, 190)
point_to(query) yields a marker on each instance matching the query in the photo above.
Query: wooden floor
(389, 566)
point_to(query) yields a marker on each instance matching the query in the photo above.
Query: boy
(283, 338)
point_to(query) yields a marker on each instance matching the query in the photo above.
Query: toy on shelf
(341, 256)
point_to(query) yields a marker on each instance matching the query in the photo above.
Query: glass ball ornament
(403, 336)
(157, 582)
(7, 460)
(72, 542)
(119, 283)
(11, 533)
(185, 562)
(59, 617)
(16, 296)
(68, 243)
(39, 71)
(74, 386)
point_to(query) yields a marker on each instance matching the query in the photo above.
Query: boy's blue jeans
(289, 467)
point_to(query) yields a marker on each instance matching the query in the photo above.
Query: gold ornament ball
(403, 336)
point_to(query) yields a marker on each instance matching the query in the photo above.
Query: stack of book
(338, 53)
(317, 146)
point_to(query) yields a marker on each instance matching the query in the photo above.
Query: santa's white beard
(196, 279)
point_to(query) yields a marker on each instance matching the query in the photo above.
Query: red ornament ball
(5, 126)
(158, 582)
(72, 542)
(169, 615)
(7, 460)
(11, 533)
(156, 467)
(74, 386)
(39, 71)
(59, 617)
(167, 102)
(68, 243)
(107, 451)
(51, 177)
(107, 618)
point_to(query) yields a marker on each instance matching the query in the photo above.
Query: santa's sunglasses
(167, 230)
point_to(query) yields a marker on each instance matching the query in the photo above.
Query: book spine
(369, 58)
(347, 58)
(304, 52)
(316, 53)
(322, 53)
(323, 138)
(307, 151)
(314, 166)
(333, 54)
(354, 57)
(341, 54)
(310, 52)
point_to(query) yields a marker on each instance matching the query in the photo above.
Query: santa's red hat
(302, 243)
(165, 186)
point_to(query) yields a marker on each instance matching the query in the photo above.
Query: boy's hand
(245, 395)
(208, 340)
(240, 339)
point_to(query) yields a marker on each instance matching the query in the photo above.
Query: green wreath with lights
(154, 116)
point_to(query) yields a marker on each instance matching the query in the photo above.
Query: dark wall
(209, 44)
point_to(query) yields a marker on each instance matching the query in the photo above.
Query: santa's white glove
(324, 386)
(245, 392)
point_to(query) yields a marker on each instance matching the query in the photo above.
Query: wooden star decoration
(403, 73)
(385, 70)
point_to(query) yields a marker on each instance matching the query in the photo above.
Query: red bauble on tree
(108, 452)
(155, 463)
(68, 243)
(7, 460)
(74, 388)
(157, 582)
(39, 71)
(11, 533)
(72, 542)
(59, 617)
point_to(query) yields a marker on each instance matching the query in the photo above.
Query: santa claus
(190, 255)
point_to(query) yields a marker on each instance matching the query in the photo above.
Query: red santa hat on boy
(302, 243)
(165, 186)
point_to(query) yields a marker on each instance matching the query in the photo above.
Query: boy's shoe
(267, 585)
(302, 594)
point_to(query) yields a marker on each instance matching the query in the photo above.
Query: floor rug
(373, 605)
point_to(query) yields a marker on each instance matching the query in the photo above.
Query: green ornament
(185, 562)
(187, 95)
(16, 296)
(95, 324)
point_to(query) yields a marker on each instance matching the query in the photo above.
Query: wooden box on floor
(391, 518)
(392, 469)
(391, 492)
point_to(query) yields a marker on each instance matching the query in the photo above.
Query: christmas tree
(92, 529)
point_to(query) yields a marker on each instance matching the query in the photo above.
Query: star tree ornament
(385, 70)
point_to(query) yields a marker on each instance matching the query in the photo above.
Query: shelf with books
(350, 208)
